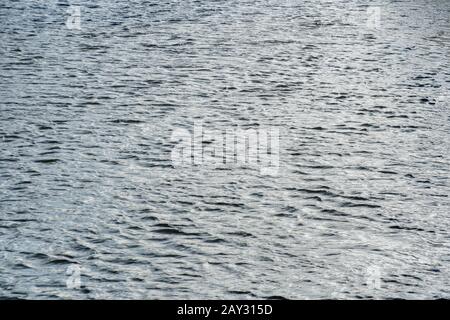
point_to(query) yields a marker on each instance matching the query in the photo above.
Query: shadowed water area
(359, 207)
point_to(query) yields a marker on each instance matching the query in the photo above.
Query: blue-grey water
(91, 205)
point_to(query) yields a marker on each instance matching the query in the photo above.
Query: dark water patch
(127, 121)
(47, 161)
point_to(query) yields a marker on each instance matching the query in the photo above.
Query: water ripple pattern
(92, 207)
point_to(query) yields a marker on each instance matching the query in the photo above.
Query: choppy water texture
(359, 208)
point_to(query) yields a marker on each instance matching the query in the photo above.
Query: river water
(92, 206)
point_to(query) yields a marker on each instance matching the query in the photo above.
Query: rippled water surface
(359, 207)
